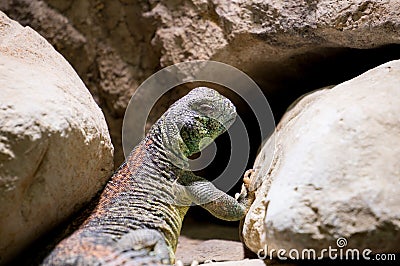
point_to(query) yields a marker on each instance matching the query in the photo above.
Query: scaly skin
(139, 215)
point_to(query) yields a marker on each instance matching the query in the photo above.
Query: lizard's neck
(165, 136)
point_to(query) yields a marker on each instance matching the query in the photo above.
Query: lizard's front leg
(217, 202)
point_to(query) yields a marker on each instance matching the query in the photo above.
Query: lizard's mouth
(228, 115)
(227, 121)
(230, 121)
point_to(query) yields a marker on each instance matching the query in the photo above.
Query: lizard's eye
(205, 108)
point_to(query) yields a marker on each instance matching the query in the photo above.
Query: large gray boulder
(55, 149)
(336, 170)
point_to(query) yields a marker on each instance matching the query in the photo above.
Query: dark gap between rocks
(285, 81)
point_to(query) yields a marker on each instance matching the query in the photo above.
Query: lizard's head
(200, 116)
(193, 122)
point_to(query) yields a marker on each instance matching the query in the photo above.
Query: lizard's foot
(246, 195)
(245, 191)
(247, 178)
(145, 245)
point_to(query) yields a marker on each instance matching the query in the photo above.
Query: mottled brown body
(138, 196)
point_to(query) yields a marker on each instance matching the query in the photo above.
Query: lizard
(138, 217)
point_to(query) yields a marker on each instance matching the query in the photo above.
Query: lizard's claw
(246, 194)
(246, 184)
(247, 178)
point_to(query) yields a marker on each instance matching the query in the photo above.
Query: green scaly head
(195, 121)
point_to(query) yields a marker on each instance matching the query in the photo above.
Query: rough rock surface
(115, 45)
(107, 42)
(336, 170)
(201, 251)
(55, 149)
(239, 32)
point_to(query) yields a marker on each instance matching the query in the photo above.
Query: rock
(55, 149)
(265, 38)
(335, 172)
(189, 250)
(202, 241)
(283, 45)
(108, 43)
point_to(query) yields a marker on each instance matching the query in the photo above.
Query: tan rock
(208, 250)
(252, 34)
(336, 170)
(55, 149)
(107, 42)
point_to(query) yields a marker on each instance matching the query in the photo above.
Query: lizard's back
(135, 199)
